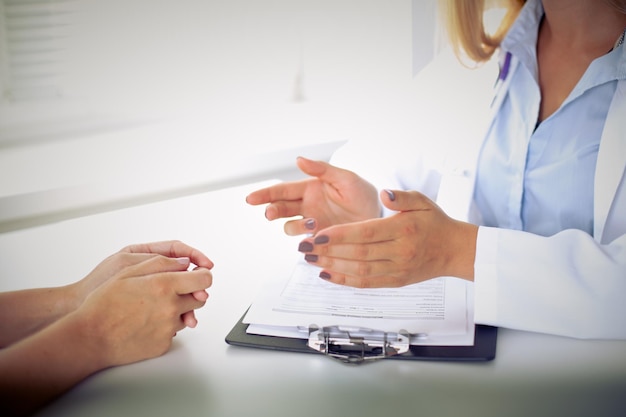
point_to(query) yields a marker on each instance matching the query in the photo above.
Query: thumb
(405, 200)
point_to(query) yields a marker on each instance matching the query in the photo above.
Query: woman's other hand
(332, 196)
(417, 243)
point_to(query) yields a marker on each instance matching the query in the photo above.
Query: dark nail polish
(305, 247)
(321, 239)
(391, 195)
(310, 224)
(310, 258)
(325, 275)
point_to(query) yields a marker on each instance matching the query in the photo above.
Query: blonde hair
(465, 26)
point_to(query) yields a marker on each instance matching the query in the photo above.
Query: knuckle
(360, 282)
(169, 310)
(323, 250)
(207, 276)
(123, 259)
(367, 231)
(339, 279)
(162, 261)
(364, 269)
(277, 207)
(125, 249)
(280, 193)
(410, 229)
(406, 253)
(403, 275)
(177, 244)
(362, 252)
(160, 288)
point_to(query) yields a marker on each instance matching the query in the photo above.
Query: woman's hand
(418, 243)
(333, 196)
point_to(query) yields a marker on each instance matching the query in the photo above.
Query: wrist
(462, 253)
(73, 297)
(88, 347)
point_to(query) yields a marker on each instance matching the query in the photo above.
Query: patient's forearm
(41, 367)
(25, 312)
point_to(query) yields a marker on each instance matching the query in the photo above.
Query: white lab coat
(569, 284)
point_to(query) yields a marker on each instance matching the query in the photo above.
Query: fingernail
(325, 275)
(391, 195)
(305, 247)
(321, 239)
(183, 261)
(310, 258)
(310, 224)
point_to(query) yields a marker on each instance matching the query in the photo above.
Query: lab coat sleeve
(567, 284)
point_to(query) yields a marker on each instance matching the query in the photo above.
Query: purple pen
(504, 69)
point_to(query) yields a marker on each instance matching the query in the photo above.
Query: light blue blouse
(540, 178)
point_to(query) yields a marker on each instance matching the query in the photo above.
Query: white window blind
(32, 46)
(75, 67)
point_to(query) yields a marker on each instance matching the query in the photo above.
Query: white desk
(532, 375)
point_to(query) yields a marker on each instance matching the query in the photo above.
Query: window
(32, 35)
(70, 67)
(35, 36)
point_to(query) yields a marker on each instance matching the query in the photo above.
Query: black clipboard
(483, 350)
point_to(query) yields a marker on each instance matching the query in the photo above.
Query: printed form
(435, 312)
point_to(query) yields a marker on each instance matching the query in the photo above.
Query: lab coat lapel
(611, 163)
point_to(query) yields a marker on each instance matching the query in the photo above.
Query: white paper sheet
(440, 309)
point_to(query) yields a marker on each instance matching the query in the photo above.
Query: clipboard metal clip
(357, 345)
